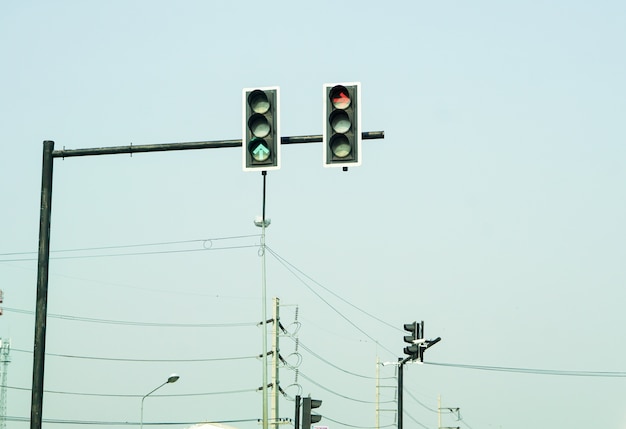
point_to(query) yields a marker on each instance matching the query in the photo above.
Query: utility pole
(378, 390)
(5, 347)
(453, 410)
(275, 362)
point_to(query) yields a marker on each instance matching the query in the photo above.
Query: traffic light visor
(340, 97)
(411, 327)
(411, 350)
(258, 101)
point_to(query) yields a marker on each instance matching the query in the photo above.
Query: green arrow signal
(260, 152)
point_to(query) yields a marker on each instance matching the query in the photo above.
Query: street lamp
(171, 379)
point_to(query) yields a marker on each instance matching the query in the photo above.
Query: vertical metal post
(264, 310)
(41, 309)
(296, 421)
(400, 387)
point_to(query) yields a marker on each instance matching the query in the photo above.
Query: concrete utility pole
(453, 410)
(5, 347)
(275, 361)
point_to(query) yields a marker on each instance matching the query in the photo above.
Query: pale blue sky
(494, 209)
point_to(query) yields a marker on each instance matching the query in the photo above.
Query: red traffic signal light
(341, 136)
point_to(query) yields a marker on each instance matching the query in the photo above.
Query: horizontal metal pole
(163, 147)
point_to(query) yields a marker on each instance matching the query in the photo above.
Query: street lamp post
(171, 379)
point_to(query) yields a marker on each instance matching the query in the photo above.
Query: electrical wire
(338, 367)
(285, 262)
(614, 374)
(140, 360)
(130, 246)
(609, 374)
(119, 423)
(159, 252)
(408, 392)
(341, 395)
(463, 421)
(204, 247)
(292, 269)
(415, 420)
(122, 395)
(356, 426)
(132, 323)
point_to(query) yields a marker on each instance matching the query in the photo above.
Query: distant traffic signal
(308, 419)
(341, 136)
(413, 350)
(261, 129)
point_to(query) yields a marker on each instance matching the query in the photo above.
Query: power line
(408, 392)
(416, 421)
(142, 360)
(207, 245)
(333, 391)
(614, 374)
(356, 426)
(463, 421)
(338, 367)
(285, 262)
(123, 395)
(158, 252)
(120, 423)
(204, 242)
(291, 268)
(134, 323)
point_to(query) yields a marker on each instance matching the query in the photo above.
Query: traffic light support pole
(39, 349)
(43, 261)
(296, 422)
(165, 147)
(401, 363)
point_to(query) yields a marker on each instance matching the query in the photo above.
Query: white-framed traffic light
(341, 135)
(261, 129)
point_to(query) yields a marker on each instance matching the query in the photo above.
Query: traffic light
(261, 129)
(413, 349)
(341, 136)
(308, 419)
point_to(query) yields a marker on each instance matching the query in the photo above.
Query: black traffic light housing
(414, 350)
(308, 419)
(341, 136)
(261, 129)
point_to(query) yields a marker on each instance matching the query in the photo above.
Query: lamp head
(173, 378)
